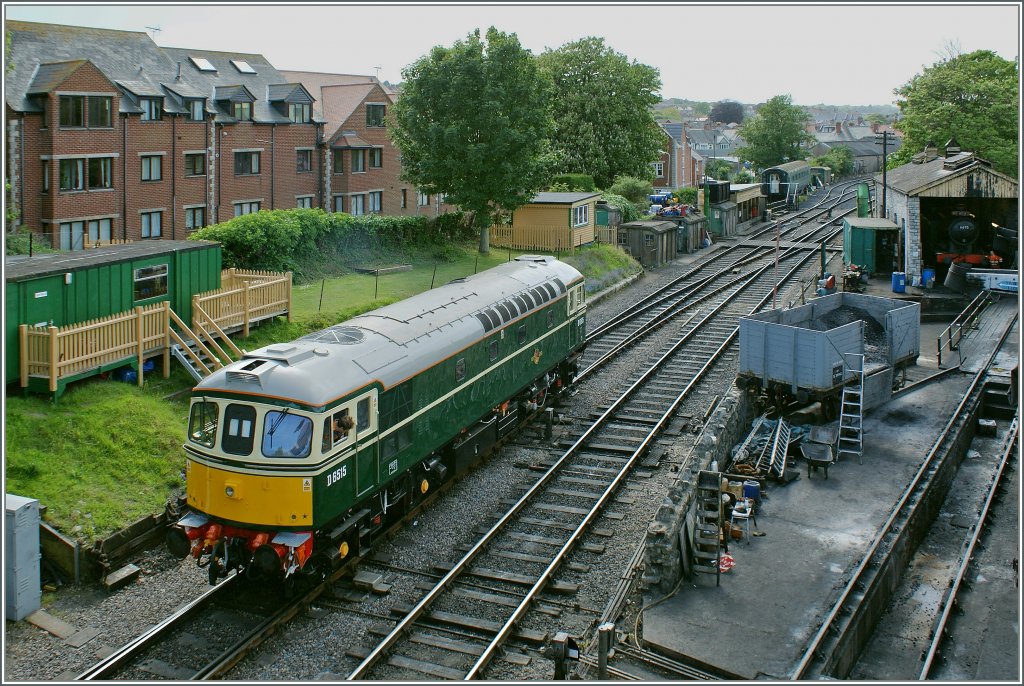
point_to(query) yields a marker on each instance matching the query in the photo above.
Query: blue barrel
(899, 282)
(928, 277)
(752, 490)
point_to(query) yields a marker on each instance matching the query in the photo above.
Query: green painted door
(44, 301)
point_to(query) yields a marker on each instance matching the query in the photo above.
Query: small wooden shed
(60, 289)
(557, 222)
(652, 243)
(870, 243)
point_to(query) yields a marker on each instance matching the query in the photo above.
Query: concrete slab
(769, 606)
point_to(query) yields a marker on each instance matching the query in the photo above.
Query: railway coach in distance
(300, 453)
(786, 181)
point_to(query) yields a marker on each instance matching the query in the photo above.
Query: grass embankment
(108, 453)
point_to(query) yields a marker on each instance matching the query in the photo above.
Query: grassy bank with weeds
(109, 452)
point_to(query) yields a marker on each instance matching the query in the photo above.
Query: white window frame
(358, 155)
(422, 199)
(244, 207)
(253, 165)
(357, 204)
(375, 155)
(659, 168)
(152, 108)
(196, 110)
(580, 215)
(191, 173)
(78, 165)
(71, 234)
(374, 201)
(100, 229)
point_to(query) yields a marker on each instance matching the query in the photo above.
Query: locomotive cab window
(286, 434)
(239, 421)
(363, 418)
(337, 429)
(202, 423)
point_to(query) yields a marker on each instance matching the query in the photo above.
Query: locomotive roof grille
(340, 335)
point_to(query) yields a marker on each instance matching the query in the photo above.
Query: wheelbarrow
(817, 455)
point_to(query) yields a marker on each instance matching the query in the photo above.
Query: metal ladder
(706, 543)
(851, 413)
(780, 447)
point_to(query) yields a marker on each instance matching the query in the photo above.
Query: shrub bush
(632, 189)
(573, 182)
(631, 212)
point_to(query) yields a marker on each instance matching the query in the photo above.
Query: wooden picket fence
(548, 237)
(58, 354)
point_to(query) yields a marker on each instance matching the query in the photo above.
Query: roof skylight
(202, 64)
(243, 66)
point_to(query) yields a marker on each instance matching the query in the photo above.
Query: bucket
(928, 277)
(899, 282)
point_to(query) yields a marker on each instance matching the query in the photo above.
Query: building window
(298, 112)
(358, 161)
(99, 230)
(247, 163)
(375, 116)
(151, 168)
(339, 203)
(242, 111)
(195, 218)
(356, 205)
(152, 108)
(375, 201)
(72, 110)
(99, 112)
(71, 235)
(195, 110)
(376, 158)
(581, 215)
(659, 168)
(250, 207)
(195, 164)
(404, 201)
(623, 237)
(46, 176)
(422, 199)
(303, 160)
(304, 201)
(337, 161)
(150, 282)
(72, 175)
(151, 225)
(99, 172)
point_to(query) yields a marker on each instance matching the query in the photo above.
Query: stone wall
(728, 426)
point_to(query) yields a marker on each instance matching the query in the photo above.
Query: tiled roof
(234, 93)
(288, 92)
(349, 139)
(51, 75)
(142, 88)
(675, 129)
(339, 102)
(314, 81)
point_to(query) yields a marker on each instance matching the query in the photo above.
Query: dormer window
(195, 110)
(375, 116)
(152, 108)
(242, 111)
(298, 112)
(242, 66)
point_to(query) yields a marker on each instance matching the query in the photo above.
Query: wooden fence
(59, 353)
(551, 237)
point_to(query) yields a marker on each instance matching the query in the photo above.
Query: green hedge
(575, 182)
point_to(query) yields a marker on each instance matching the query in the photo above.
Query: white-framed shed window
(581, 215)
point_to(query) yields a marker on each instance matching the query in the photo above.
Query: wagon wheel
(830, 407)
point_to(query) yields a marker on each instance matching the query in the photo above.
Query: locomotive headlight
(229, 492)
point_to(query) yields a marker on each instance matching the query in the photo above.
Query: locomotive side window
(287, 435)
(202, 423)
(492, 350)
(460, 370)
(551, 318)
(363, 414)
(239, 423)
(521, 335)
(337, 428)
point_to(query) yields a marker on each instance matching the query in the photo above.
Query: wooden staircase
(197, 349)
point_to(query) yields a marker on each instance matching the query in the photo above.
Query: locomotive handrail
(954, 333)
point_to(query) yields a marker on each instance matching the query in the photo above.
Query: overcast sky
(850, 54)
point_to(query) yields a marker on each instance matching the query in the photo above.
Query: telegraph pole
(885, 163)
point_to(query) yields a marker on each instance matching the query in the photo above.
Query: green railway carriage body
(424, 369)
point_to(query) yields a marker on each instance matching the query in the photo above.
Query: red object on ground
(725, 563)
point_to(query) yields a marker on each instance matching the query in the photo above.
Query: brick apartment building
(109, 136)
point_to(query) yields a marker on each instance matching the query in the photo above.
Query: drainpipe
(273, 162)
(124, 176)
(320, 189)
(220, 165)
(20, 219)
(174, 177)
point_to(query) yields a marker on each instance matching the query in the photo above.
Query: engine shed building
(947, 208)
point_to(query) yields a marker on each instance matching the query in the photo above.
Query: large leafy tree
(839, 159)
(727, 112)
(472, 122)
(971, 97)
(602, 111)
(775, 134)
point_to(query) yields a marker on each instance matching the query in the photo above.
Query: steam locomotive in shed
(300, 453)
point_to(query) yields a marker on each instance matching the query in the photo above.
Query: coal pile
(874, 333)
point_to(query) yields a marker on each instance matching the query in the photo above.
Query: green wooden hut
(60, 289)
(870, 243)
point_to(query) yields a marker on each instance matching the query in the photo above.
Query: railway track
(823, 656)
(213, 655)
